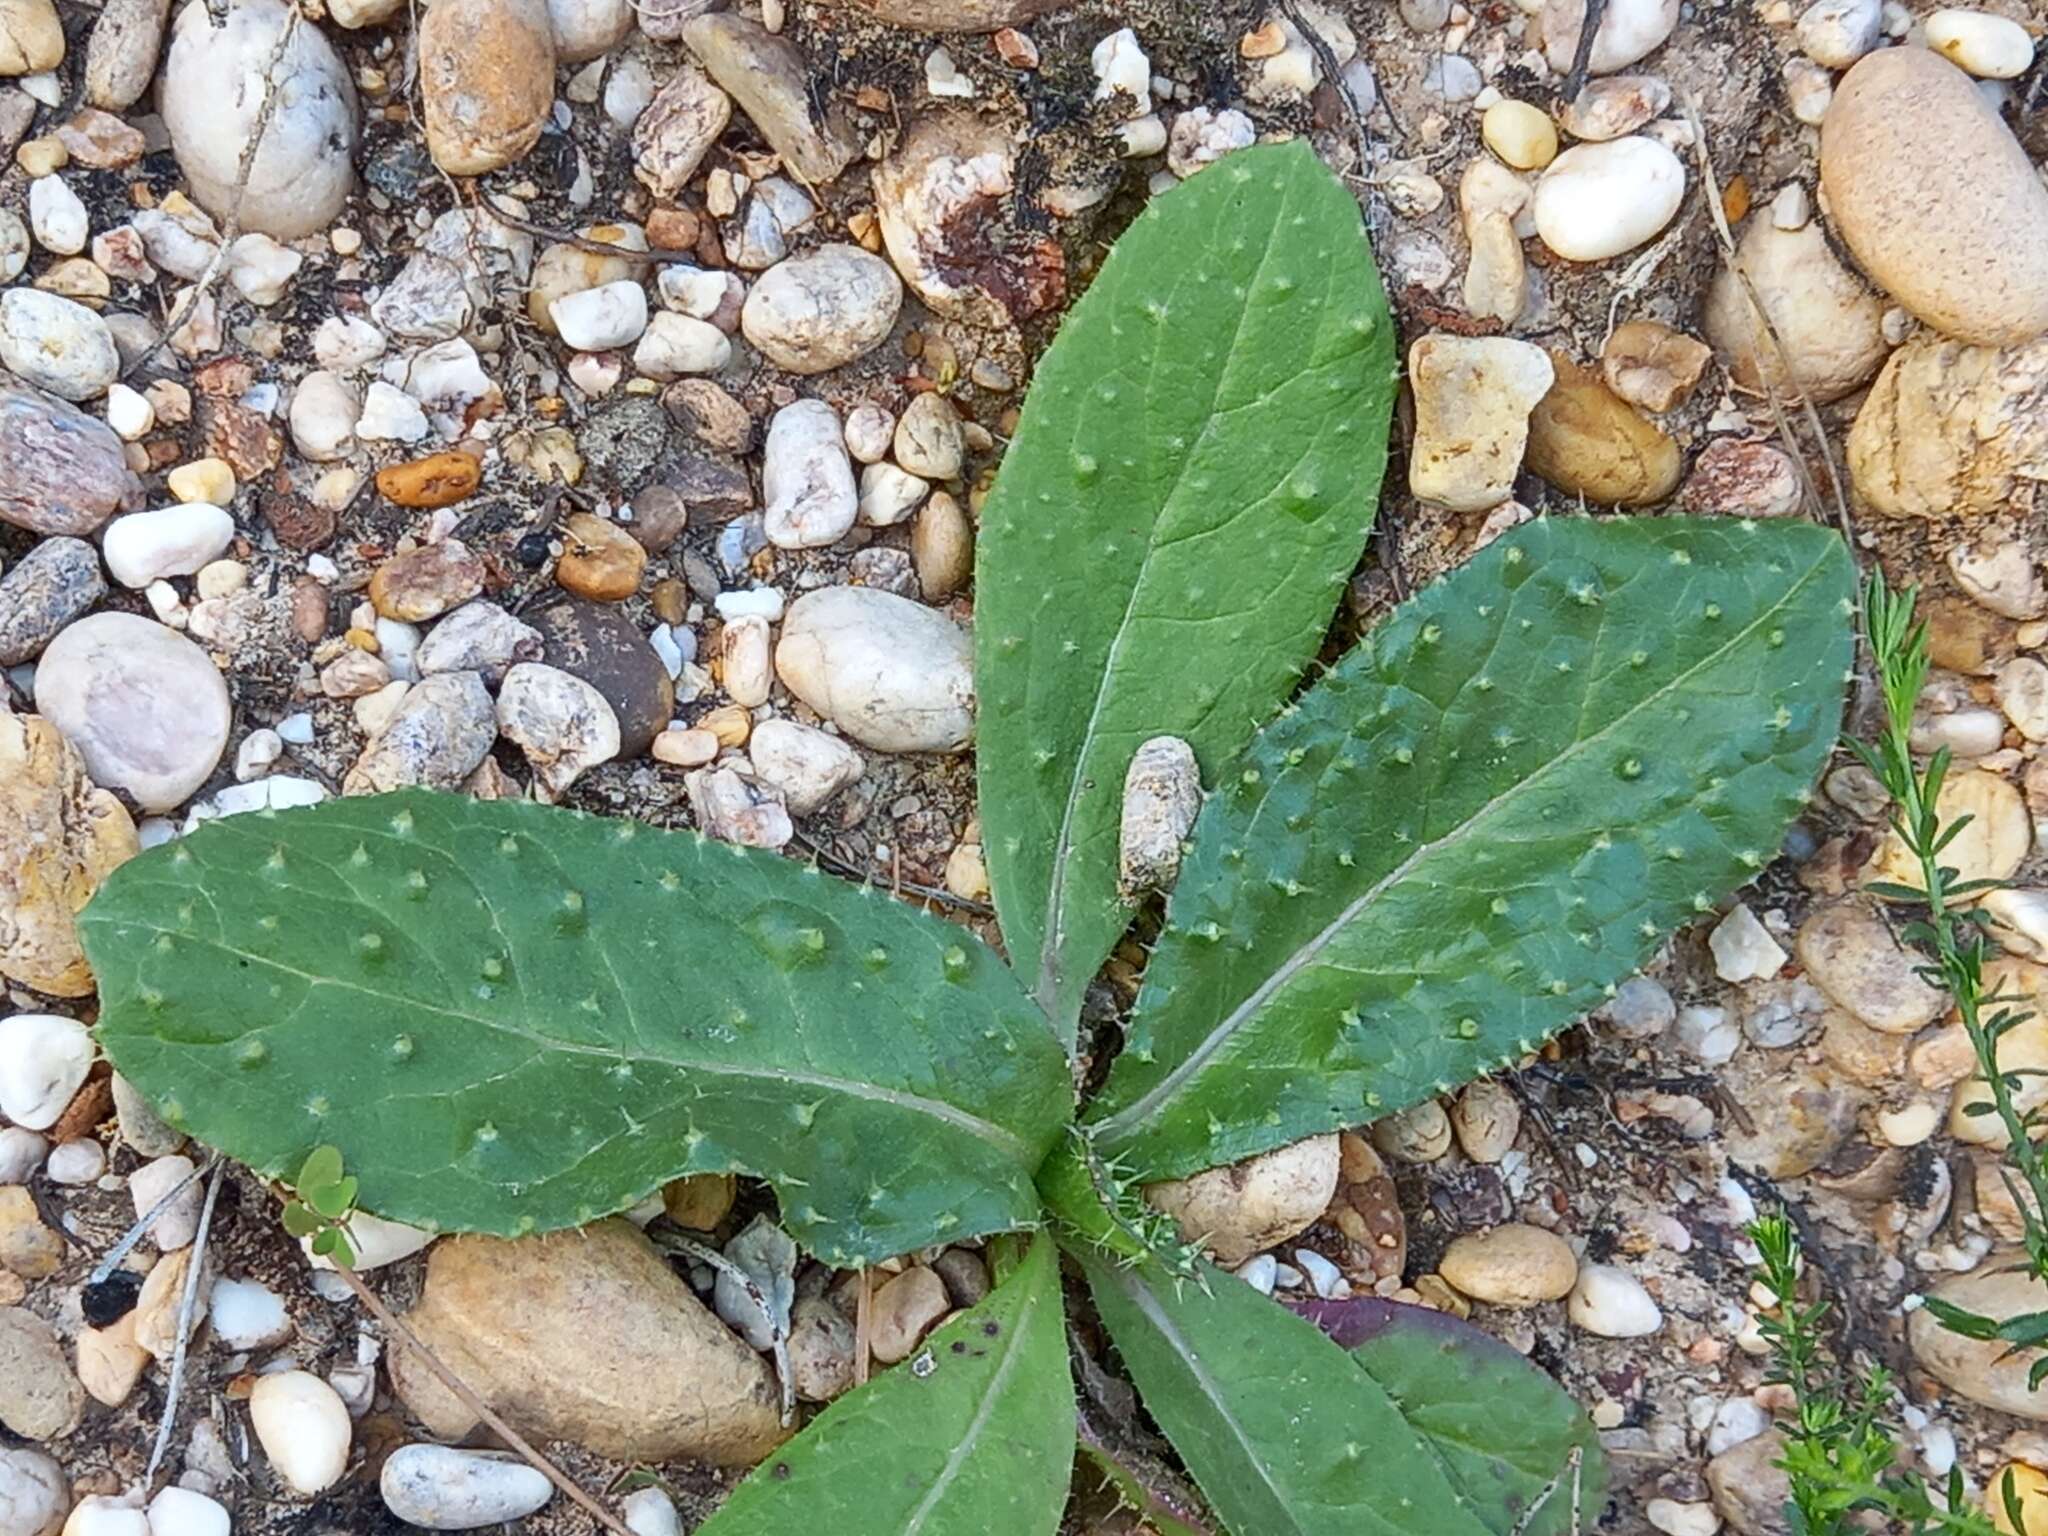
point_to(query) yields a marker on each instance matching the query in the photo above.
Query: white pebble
(304, 1428)
(43, 1061)
(650, 1512)
(390, 415)
(806, 478)
(767, 602)
(675, 345)
(179, 1511)
(151, 1184)
(442, 1488)
(1324, 1278)
(1121, 68)
(1989, 47)
(261, 268)
(1599, 200)
(1839, 32)
(21, 1154)
(57, 216)
(888, 494)
(143, 547)
(129, 414)
(1259, 1272)
(99, 1515)
(1611, 1302)
(1674, 1518)
(1708, 1033)
(1736, 1422)
(869, 431)
(594, 319)
(1743, 948)
(76, 1162)
(247, 1316)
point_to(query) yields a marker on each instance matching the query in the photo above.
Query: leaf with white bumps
(973, 1435)
(1480, 821)
(512, 1019)
(1192, 482)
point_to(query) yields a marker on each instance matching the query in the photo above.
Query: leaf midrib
(1047, 983)
(1140, 1296)
(1146, 1105)
(1019, 1328)
(1004, 1140)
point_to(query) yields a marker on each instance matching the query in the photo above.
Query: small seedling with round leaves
(323, 1198)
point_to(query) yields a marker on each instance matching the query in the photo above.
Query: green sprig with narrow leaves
(1839, 1455)
(1956, 936)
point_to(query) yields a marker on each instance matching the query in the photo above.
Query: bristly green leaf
(972, 1436)
(1287, 1435)
(509, 1019)
(1192, 482)
(1510, 1438)
(1484, 817)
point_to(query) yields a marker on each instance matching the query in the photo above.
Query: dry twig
(188, 1301)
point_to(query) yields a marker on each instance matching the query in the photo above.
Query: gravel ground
(1646, 1139)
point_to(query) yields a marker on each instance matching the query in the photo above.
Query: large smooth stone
(891, 673)
(1936, 199)
(60, 837)
(144, 706)
(61, 471)
(586, 1336)
(487, 76)
(212, 94)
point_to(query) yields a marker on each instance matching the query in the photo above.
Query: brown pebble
(1588, 441)
(905, 1310)
(942, 547)
(702, 407)
(672, 229)
(438, 480)
(600, 560)
(299, 523)
(670, 600)
(309, 610)
(425, 583)
(731, 724)
(1651, 365)
(660, 514)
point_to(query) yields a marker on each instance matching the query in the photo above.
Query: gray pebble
(55, 582)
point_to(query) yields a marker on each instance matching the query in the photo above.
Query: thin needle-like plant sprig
(1954, 934)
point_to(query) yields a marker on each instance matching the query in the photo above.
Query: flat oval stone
(144, 706)
(1936, 198)
(442, 1488)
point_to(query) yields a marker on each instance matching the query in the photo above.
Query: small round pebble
(76, 1162)
(144, 706)
(1600, 200)
(304, 1428)
(179, 1511)
(247, 1315)
(44, 1058)
(1611, 1302)
(1513, 1265)
(1989, 47)
(1521, 134)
